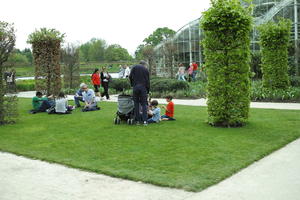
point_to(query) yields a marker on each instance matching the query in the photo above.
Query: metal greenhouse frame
(187, 39)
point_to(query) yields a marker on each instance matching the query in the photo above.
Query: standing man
(140, 82)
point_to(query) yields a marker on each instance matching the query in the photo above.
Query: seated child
(154, 112)
(40, 103)
(169, 115)
(61, 104)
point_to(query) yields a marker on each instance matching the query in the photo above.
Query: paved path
(275, 177)
(195, 102)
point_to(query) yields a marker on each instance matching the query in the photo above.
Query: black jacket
(139, 75)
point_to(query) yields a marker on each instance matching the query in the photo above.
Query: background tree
(148, 55)
(17, 57)
(93, 50)
(46, 52)
(8, 107)
(159, 35)
(70, 58)
(115, 52)
(274, 40)
(227, 27)
(169, 51)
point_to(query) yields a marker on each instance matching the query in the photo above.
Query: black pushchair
(125, 110)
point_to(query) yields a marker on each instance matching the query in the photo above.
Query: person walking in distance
(96, 81)
(140, 82)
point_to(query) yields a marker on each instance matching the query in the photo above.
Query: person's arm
(147, 81)
(131, 76)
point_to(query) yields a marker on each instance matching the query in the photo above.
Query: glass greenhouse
(184, 46)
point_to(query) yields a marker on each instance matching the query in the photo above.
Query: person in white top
(181, 72)
(127, 72)
(61, 104)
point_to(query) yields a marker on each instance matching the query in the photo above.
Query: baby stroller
(125, 110)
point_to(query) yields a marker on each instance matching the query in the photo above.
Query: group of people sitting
(59, 104)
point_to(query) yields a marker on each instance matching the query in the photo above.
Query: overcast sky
(124, 22)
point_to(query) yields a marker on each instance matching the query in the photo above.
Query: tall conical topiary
(227, 27)
(46, 45)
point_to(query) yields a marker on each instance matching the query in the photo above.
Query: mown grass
(186, 154)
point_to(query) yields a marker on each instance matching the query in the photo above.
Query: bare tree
(149, 55)
(169, 52)
(70, 58)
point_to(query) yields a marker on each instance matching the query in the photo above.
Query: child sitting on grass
(154, 112)
(169, 115)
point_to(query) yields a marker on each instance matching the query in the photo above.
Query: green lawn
(186, 153)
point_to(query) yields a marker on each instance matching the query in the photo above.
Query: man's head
(144, 63)
(84, 87)
(38, 94)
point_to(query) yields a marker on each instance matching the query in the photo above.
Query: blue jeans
(77, 99)
(181, 77)
(140, 101)
(151, 121)
(46, 104)
(194, 75)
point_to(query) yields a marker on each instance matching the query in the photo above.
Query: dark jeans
(77, 99)
(140, 101)
(96, 88)
(105, 93)
(167, 117)
(46, 104)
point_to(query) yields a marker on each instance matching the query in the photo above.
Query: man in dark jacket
(139, 79)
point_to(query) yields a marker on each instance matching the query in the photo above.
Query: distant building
(185, 44)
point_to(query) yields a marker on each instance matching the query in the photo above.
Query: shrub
(260, 93)
(168, 85)
(227, 27)
(25, 85)
(274, 40)
(120, 84)
(295, 81)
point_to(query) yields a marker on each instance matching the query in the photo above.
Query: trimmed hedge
(227, 26)
(120, 84)
(274, 40)
(165, 85)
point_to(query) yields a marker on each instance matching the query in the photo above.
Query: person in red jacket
(195, 68)
(96, 81)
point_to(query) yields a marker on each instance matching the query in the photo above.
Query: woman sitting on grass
(61, 104)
